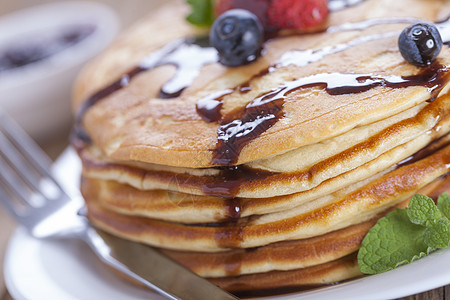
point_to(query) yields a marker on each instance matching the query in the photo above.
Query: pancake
(268, 184)
(155, 131)
(311, 277)
(188, 208)
(298, 223)
(298, 255)
(288, 255)
(266, 175)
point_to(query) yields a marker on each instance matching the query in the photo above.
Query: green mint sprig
(202, 13)
(405, 235)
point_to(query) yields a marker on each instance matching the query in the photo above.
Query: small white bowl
(38, 95)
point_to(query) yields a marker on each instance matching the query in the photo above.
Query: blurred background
(37, 95)
(18, 92)
(127, 11)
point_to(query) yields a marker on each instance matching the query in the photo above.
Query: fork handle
(151, 268)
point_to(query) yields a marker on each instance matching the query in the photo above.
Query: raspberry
(297, 14)
(280, 14)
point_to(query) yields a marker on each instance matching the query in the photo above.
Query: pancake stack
(265, 176)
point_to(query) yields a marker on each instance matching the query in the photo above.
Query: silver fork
(36, 200)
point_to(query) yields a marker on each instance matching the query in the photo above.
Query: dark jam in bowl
(28, 50)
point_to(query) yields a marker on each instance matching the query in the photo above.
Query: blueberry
(237, 35)
(420, 44)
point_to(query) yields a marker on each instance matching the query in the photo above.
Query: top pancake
(134, 124)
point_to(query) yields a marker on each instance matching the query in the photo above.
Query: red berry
(279, 14)
(257, 7)
(296, 14)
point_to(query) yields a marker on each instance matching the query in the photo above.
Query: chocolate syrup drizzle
(263, 112)
(226, 184)
(209, 107)
(243, 125)
(188, 56)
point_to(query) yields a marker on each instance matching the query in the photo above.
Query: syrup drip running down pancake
(305, 148)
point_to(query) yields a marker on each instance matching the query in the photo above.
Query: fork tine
(9, 205)
(15, 200)
(25, 176)
(12, 157)
(13, 197)
(11, 180)
(28, 152)
(24, 144)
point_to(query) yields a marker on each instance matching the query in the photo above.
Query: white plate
(37, 269)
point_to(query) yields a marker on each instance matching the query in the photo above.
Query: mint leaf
(438, 235)
(422, 210)
(393, 241)
(443, 204)
(202, 13)
(406, 234)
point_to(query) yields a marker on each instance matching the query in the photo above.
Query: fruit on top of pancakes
(237, 35)
(420, 44)
(299, 14)
(274, 15)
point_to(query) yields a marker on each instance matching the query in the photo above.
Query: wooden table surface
(54, 145)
